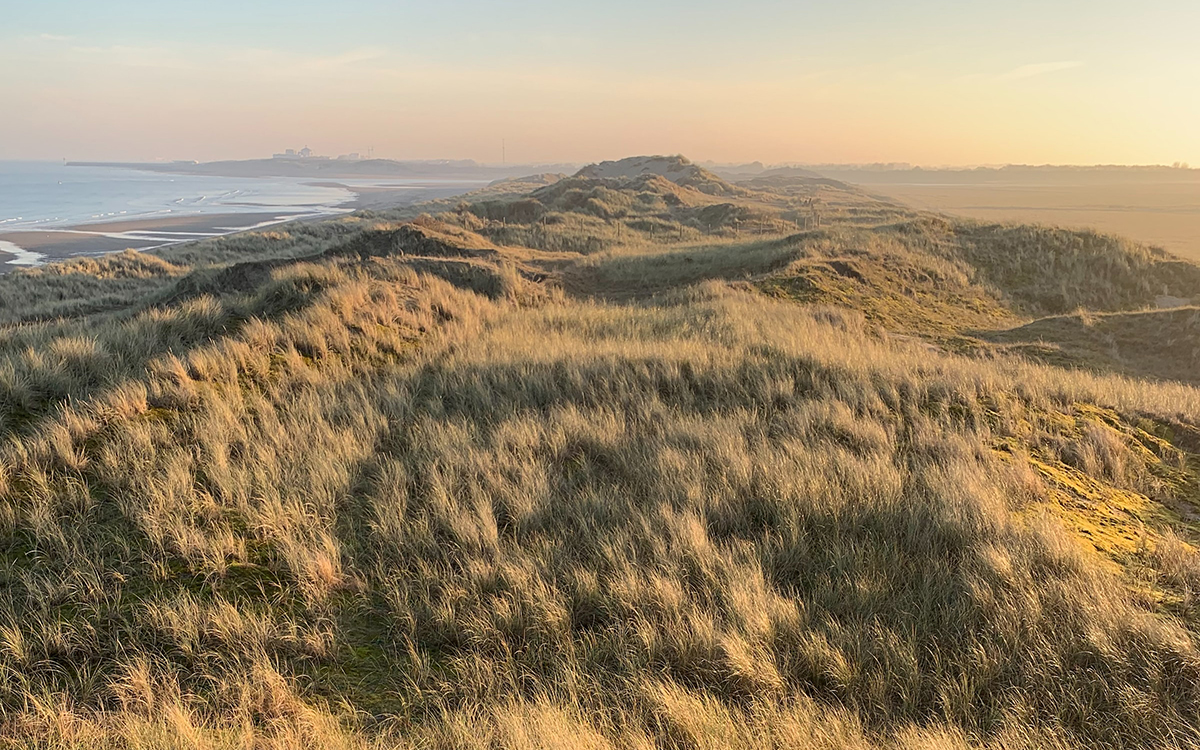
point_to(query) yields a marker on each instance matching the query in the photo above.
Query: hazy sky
(926, 81)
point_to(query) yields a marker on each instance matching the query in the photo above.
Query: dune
(611, 461)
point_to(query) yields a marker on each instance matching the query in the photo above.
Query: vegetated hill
(786, 173)
(375, 483)
(655, 200)
(525, 183)
(675, 169)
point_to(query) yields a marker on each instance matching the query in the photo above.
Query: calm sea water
(41, 195)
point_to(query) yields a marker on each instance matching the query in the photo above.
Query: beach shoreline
(30, 247)
(34, 247)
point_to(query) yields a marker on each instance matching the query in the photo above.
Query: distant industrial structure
(307, 153)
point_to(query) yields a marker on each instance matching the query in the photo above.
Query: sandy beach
(384, 196)
(138, 234)
(37, 246)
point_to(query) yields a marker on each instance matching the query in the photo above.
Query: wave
(36, 198)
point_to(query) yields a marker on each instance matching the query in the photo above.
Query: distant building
(349, 157)
(304, 153)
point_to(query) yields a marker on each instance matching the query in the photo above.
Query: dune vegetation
(605, 461)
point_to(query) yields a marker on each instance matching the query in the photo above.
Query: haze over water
(41, 195)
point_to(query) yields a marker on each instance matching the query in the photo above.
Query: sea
(38, 196)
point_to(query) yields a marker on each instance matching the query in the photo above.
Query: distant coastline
(33, 243)
(316, 168)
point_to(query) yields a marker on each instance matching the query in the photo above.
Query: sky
(929, 82)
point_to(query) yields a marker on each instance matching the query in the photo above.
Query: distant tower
(503, 151)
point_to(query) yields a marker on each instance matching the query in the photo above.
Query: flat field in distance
(1160, 209)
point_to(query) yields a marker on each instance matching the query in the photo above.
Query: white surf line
(21, 256)
(286, 219)
(229, 231)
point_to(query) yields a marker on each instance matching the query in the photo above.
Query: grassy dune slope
(373, 483)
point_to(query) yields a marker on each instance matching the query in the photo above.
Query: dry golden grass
(390, 486)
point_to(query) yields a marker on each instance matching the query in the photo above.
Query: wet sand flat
(36, 246)
(137, 234)
(384, 196)
(213, 224)
(65, 244)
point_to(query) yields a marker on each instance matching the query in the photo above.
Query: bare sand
(384, 196)
(212, 224)
(35, 247)
(138, 234)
